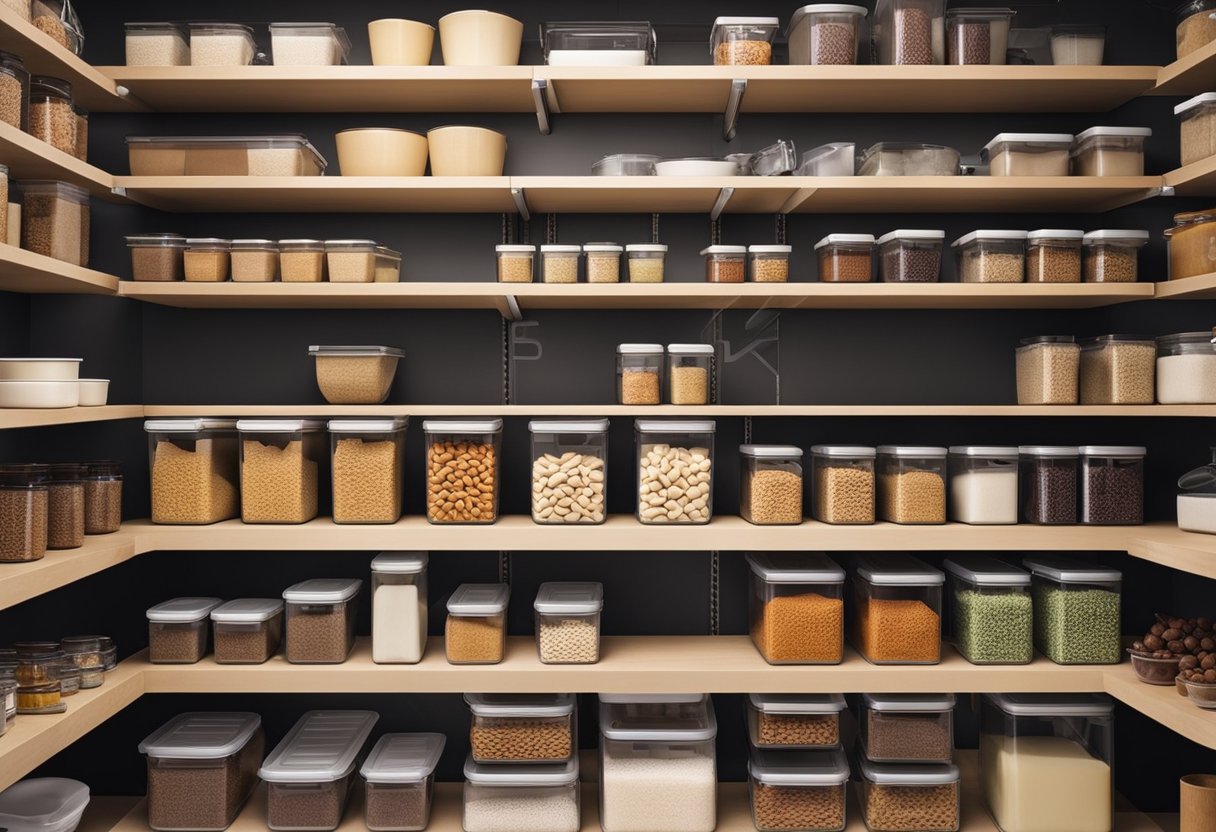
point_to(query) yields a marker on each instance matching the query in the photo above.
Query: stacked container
(524, 798)
(792, 721)
(368, 463)
(179, 630)
(399, 782)
(512, 728)
(804, 790)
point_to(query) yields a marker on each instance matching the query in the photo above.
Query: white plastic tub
(94, 392)
(39, 394)
(43, 804)
(398, 42)
(40, 369)
(381, 151)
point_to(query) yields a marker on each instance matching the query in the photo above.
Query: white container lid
(50, 804)
(653, 698)
(1055, 234)
(403, 758)
(479, 600)
(1131, 132)
(850, 451)
(898, 571)
(986, 235)
(770, 249)
(465, 426)
(183, 610)
(1112, 450)
(188, 425)
(912, 451)
(1069, 571)
(247, 611)
(724, 250)
(795, 704)
(1059, 451)
(201, 736)
(540, 774)
(279, 425)
(568, 426)
(520, 705)
(321, 748)
(399, 563)
(690, 349)
(569, 597)
(674, 426)
(746, 21)
(609, 247)
(1102, 235)
(322, 591)
(799, 768)
(643, 247)
(355, 351)
(984, 451)
(693, 724)
(639, 349)
(986, 571)
(896, 774)
(843, 239)
(367, 425)
(909, 703)
(1192, 103)
(515, 249)
(1029, 138)
(1053, 704)
(771, 451)
(912, 234)
(555, 248)
(795, 567)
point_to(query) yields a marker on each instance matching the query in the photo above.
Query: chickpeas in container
(569, 471)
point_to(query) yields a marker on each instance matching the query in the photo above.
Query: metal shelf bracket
(730, 117)
(540, 97)
(521, 203)
(724, 196)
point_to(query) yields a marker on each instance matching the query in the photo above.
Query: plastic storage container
(832, 159)
(743, 41)
(796, 607)
(351, 261)
(399, 607)
(626, 164)
(826, 34)
(321, 620)
(690, 373)
(1112, 255)
(1028, 154)
(1112, 485)
(911, 484)
(1118, 369)
(157, 257)
(596, 43)
(462, 472)
(207, 259)
(801, 790)
(907, 728)
(24, 512)
(1186, 368)
(193, 465)
(221, 44)
(1046, 759)
(898, 610)
(795, 721)
(521, 798)
(247, 631)
(984, 485)
(476, 630)
(52, 118)
(1197, 498)
(255, 261)
(43, 804)
(355, 374)
(308, 44)
(675, 450)
(910, 31)
(910, 798)
(55, 221)
(846, 258)
(991, 612)
(85, 653)
(569, 470)
(157, 44)
(911, 256)
(770, 492)
(639, 371)
(302, 261)
(1192, 244)
(1076, 610)
(991, 257)
(102, 497)
(521, 728)
(559, 263)
(179, 630)
(57, 20)
(286, 155)
(977, 36)
(368, 462)
(202, 767)
(908, 158)
(1048, 369)
(1078, 45)
(388, 265)
(399, 782)
(603, 262)
(646, 262)
(515, 263)
(1197, 125)
(844, 484)
(1053, 255)
(1196, 27)
(39, 689)
(65, 506)
(14, 90)
(725, 264)
(1110, 151)
(769, 264)
(281, 467)
(568, 622)
(1049, 484)
(310, 774)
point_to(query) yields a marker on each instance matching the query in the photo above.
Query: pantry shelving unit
(48, 417)
(31, 158)
(1192, 75)
(29, 273)
(23, 581)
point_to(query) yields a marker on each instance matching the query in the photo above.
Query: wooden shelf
(1167, 545)
(40, 418)
(1199, 287)
(1192, 75)
(30, 273)
(1163, 704)
(1195, 179)
(31, 158)
(22, 581)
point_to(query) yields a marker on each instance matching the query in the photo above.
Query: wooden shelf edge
(1163, 704)
(30, 273)
(12, 419)
(1199, 287)
(1188, 76)
(20, 582)
(28, 157)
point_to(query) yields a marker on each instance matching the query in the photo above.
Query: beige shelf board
(1163, 704)
(1192, 75)
(13, 418)
(30, 273)
(1195, 179)
(22, 581)
(1167, 545)
(1199, 287)
(30, 158)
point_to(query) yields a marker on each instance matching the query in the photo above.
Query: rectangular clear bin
(399, 782)
(308, 44)
(983, 485)
(367, 457)
(807, 721)
(1076, 610)
(399, 607)
(898, 613)
(658, 768)
(796, 607)
(1048, 369)
(1028, 154)
(1078, 45)
(639, 373)
(568, 622)
(569, 471)
(991, 612)
(55, 221)
(157, 257)
(769, 264)
(596, 43)
(832, 159)
(743, 41)
(1046, 760)
(911, 484)
(515, 263)
(1112, 485)
(910, 798)
(221, 44)
(1112, 255)
(351, 261)
(1053, 255)
(476, 629)
(521, 727)
(255, 261)
(907, 728)
(991, 257)
(302, 261)
(202, 767)
(193, 469)
(801, 790)
(908, 159)
(844, 484)
(911, 256)
(157, 44)
(725, 264)
(179, 631)
(310, 774)
(287, 155)
(646, 262)
(559, 263)
(689, 373)
(846, 258)
(388, 265)
(247, 630)
(770, 490)
(321, 620)
(603, 262)
(281, 465)
(626, 164)
(1110, 151)
(826, 34)
(910, 32)
(1048, 484)
(977, 36)
(680, 453)
(355, 374)
(1118, 369)
(1186, 368)
(207, 260)
(1197, 125)
(462, 475)
(521, 798)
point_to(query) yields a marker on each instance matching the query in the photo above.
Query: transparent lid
(279, 425)
(388, 253)
(363, 246)
(42, 802)
(208, 243)
(1193, 103)
(1101, 341)
(845, 451)
(986, 236)
(897, 774)
(290, 141)
(403, 758)
(1070, 571)
(897, 570)
(255, 245)
(1116, 235)
(845, 239)
(314, 30)
(1047, 339)
(984, 451)
(301, 245)
(1056, 451)
(1035, 139)
(155, 28)
(462, 426)
(321, 748)
(912, 235)
(597, 34)
(639, 349)
(221, 29)
(909, 703)
(569, 598)
(690, 349)
(795, 567)
(201, 736)
(1200, 482)
(1053, 704)
(355, 351)
(710, 250)
(568, 426)
(399, 563)
(188, 425)
(653, 248)
(774, 249)
(156, 241)
(794, 704)
(691, 722)
(987, 14)
(799, 768)
(539, 774)
(912, 451)
(322, 591)
(654, 698)
(247, 611)
(1055, 235)
(824, 8)
(771, 451)
(986, 571)
(480, 600)
(520, 705)
(757, 28)
(393, 425)
(1120, 451)
(182, 610)
(62, 190)
(674, 426)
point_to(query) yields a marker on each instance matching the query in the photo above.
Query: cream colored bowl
(467, 151)
(94, 392)
(376, 151)
(40, 369)
(480, 38)
(397, 42)
(25, 393)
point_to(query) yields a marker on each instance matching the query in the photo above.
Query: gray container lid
(479, 600)
(793, 704)
(795, 567)
(1053, 704)
(322, 747)
(799, 768)
(210, 735)
(898, 571)
(909, 703)
(569, 598)
(403, 758)
(986, 571)
(1070, 571)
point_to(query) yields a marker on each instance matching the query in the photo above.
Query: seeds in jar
(1053, 264)
(392, 806)
(919, 808)
(356, 379)
(23, 524)
(805, 629)
(278, 485)
(844, 266)
(53, 28)
(782, 808)
(54, 121)
(1113, 494)
(646, 269)
(319, 633)
(908, 737)
(1051, 493)
(247, 643)
(833, 43)
(770, 270)
(568, 488)
(55, 227)
(1119, 373)
(102, 506)
(156, 263)
(844, 494)
(460, 484)
(906, 264)
(12, 96)
(368, 481)
(560, 268)
(912, 497)
(568, 640)
(675, 485)
(970, 42)
(302, 266)
(319, 807)
(725, 269)
(206, 265)
(1112, 264)
(1047, 373)
(65, 515)
(639, 387)
(898, 631)
(772, 496)
(603, 267)
(743, 53)
(689, 385)
(194, 486)
(1077, 626)
(515, 739)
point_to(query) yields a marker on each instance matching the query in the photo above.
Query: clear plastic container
(770, 492)
(368, 463)
(1112, 485)
(568, 622)
(221, 44)
(308, 44)
(1048, 369)
(462, 471)
(1112, 255)
(977, 36)
(355, 374)
(255, 261)
(399, 782)
(690, 377)
(559, 263)
(202, 767)
(55, 221)
(310, 774)
(626, 164)
(1046, 760)
(911, 484)
(826, 34)
(743, 41)
(14, 91)
(388, 265)
(476, 629)
(725, 264)
(321, 620)
(1192, 244)
(796, 607)
(1028, 154)
(207, 260)
(800, 790)
(157, 257)
(179, 630)
(911, 256)
(908, 159)
(521, 798)
(157, 44)
(281, 469)
(302, 261)
(43, 804)
(102, 496)
(639, 373)
(65, 506)
(910, 32)
(832, 159)
(1110, 151)
(286, 155)
(52, 118)
(24, 512)
(57, 20)
(193, 465)
(247, 630)
(991, 613)
(515, 263)
(1186, 368)
(521, 727)
(844, 484)
(1196, 499)
(82, 134)
(8, 685)
(1049, 484)
(1196, 26)
(603, 262)
(784, 721)
(39, 689)
(351, 261)
(569, 471)
(598, 43)
(910, 798)
(846, 258)
(907, 728)
(646, 262)
(675, 451)
(1197, 126)
(1076, 610)
(1118, 369)
(769, 264)
(983, 485)
(85, 653)
(991, 256)
(399, 607)
(898, 613)
(1078, 45)
(1053, 255)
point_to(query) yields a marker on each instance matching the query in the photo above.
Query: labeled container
(302, 261)
(207, 260)
(1049, 484)
(43, 804)
(1048, 370)
(1028, 154)
(397, 42)
(55, 221)
(595, 43)
(1112, 485)
(796, 607)
(65, 506)
(194, 470)
(844, 484)
(832, 159)
(907, 728)
(725, 264)
(381, 151)
(1196, 27)
(247, 630)
(825, 34)
(603, 262)
(770, 492)
(355, 374)
(515, 263)
(743, 41)
(281, 468)
(24, 512)
(480, 38)
(399, 782)
(310, 774)
(991, 611)
(14, 91)
(85, 653)
(521, 798)
(910, 798)
(626, 164)
(1110, 151)
(353, 261)
(910, 32)
(157, 44)
(1186, 368)
(769, 264)
(911, 256)
(1076, 610)
(221, 44)
(1196, 506)
(569, 470)
(802, 790)
(1078, 44)
(639, 371)
(102, 497)
(255, 261)
(179, 630)
(1112, 255)
(646, 262)
(321, 620)
(983, 485)
(476, 629)
(672, 451)
(846, 258)
(787, 721)
(1118, 369)
(911, 484)
(157, 257)
(991, 256)
(466, 151)
(202, 767)
(568, 622)
(462, 476)
(1197, 125)
(898, 614)
(1046, 760)
(399, 607)
(285, 155)
(689, 373)
(308, 44)
(521, 728)
(1192, 244)
(1053, 255)
(977, 36)
(909, 158)
(559, 263)
(367, 457)
(52, 117)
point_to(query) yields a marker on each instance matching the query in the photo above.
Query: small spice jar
(568, 621)
(399, 778)
(515, 263)
(1110, 151)
(725, 264)
(646, 262)
(1053, 255)
(255, 261)
(770, 264)
(689, 373)
(639, 368)
(897, 617)
(521, 727)
(321, 620)
(157, 257)
(476, 629)
(983, 485)
(770, 489)
(911, 256)
(910, 798)
(52, 118)
(743, 41)
(302, 261)
(24, 512)
(843, 485)
(1118, 369)
(991, 613)
(796, 607)
(102, 497)
(247, 630)
(38, 687)
(207, 259)
(1112, 485)
(911, 484)
(846, 258)
(559, 263)
(603, 262)
(1112, 255)
(1048, 370)
(179, 631)
(399, 607)
(797, 721)
(907, 728)
(1048, 476)
(85, 653)
(991, 256)
(1076, 610)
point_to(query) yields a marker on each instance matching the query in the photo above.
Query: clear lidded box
(179, 630)
(569, 470)
(639, 373)
(538, 798)
(769, 264)
(843, 486)
(515, 263)
(399, 781)
(281, 469)
(910, 32)
(1112, 485)
(1118, 369)
(806, 790)
(771, 484)
(476, 629)
(912, 484)
(157, 44)
(983, 485)
(1048, 488)
(522, 728)
(221, 44)
(675, 451)
(888, 788)
(388, 265)
(907, 728)
(367, 460)
(1053, 255)
(55, 220)
(321, 620)
(911, 256)
(282, 155)
(1081, 44)
(207, 260)
(991, 256)
(603, 262)
(690, 379)
(247, 630)
(796, 607)
(846, 258)
(302, 261)
(193, 465)
(559, 263)
(646, 262)
(1048, 370)
(255, 261)
(351, 261)
(991, 612)
(1028, 154)
(399, 607)
(1197, 126)
(1110, 151)
(908, 159)
(1186, 368)
(596, 43)
(898, 610)
(787, 721)
(462, 475)
(1112, 255)
(825, 34)
(157, 257)
(725, 264)
(977, 36)
(743, 41)
(355, 374)
(568, 621)
(1077, 607)
(308, 44)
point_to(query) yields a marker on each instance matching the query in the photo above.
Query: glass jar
(743, 41)
(1110, 151)
(1192, 244)
(368, 463)
(804, 790)
(399, 778)
(321, 620)
(669, 451)
(540, 798)
(690, 373)
(1197, 117)
(646, 262)
(39, 689)
(911, 256)
(907, 728)
(603, 262)
(52, 118)
(984, 485)
(179, 630)
(888, 788)
(282, 463)
(41, 698)
(1186, 368)
(796, 607)
(977, 36)
(910, 32)
(82, 133)
(55, 220)
(990, 612)
(770, 490)
(1112, 255)
(1118, 369)
(788, 721)
(85, 652)
(459, 452)
(515, 263)
(725, 264)
(911, 484)
(1112, 485)
(1048, 484)
(207, 260)
(399, 607)
(57, 20)
(1196, 27)
(109, 652)
(24, 511)
(521, 727)
(255, 261)
(991, 257)
(639, 370)
(569, 471)
(247, 630)
(1076, 610)
(476, 629)
(102, 497)
(844, 484)
(559, 263)
(1048, 370)
(770, 264)
(568, 622)
(14, 87)
(193, 465)
(846, 258)
(64, 670)
(1053, 255)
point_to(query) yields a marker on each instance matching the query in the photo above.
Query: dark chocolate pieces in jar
(1048, 475)
(179, 631)
(911, 256)
(399, 776)
(321, 620)
(1112, 484)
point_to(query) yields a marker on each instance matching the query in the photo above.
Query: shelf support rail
(540, 97)
(734, 103)
(521, 204)
(724, 196)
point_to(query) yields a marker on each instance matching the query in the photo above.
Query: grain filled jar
(1112, 485)
(207, 260)
(796, 607)
(977, 36)
(39, 690)
(179, 630)
(1186, 368)
(568, 621)
(539, 798)
(1192, 244)
(367, 457)
(399, 607)
(55, 220)
(515, 263)
(1048, 370)
(910, 32)
(907, 728)
(64, 506)
(193, 465)
(846, 258)
(85, 653)
(911, 256)
(984, 485)
(1077, 608)
(671, 452)
(1110, 151)
(1196, 27)
(826, 34)
(690, 378)
(255, 261)
(559, 263)
(462, 476)
(769, 264)
(843, 487)
(770, 492)
(743, 41)
(281, 469)
(991, 256)
(1053, 255)
(639, 371)
(65, 670)
(569, 470)
(321, 620)
(102, 497)
(14, 88)
(646, 262)
(1196, 117)
(787, 721)
(476, 629)
(247, 630)
(157, 257)
(355, 374)
(1028, 154)
(990, 611)
(24, 512)
(603, 262)
(1048, 484)
(1118, 369)
(725, 264)
(1112, 255)
(911, 484)
(898, 610)
(52, 118)
(910, 798)
(399, 781)
(804, 790)
(302, 261)
(521, 727)
(156, 44)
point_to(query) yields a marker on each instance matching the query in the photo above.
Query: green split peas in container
(1076, 611)
(992, 612)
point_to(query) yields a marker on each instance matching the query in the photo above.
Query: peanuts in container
(1048, 488)
(569, 470)
(1112, 485)
(55, 220)
(783, 721)
(843, 487)
(626, 164)
(725, 264)
(1028, 154)
(157, 44)
(102, 496)
(1076, 610)
(910, 256)
(991, 613)
(1047, 369)
(302, 261)
(466, 151)
(804, 790)
(908, 159)
(770, 264)
(770, 490)
(255, 261)
(897, 617)
(521, 798)
(207, 260)
(179, 630)
(568, 622)
(515, 263)
(1196, 27)
(1112, 255)
(1186, 368)
(911, 484)
(826, 34)
(1118, 369)
(743, 41)
(355, 374)
(846, 258)
(462, 470)
(43, 804)
(559, 263)
(1197, 126)
(397, 42)
(285, 155)
(351, 261)
(1110, 151)
(158, 257)
(977, 36)
(381, 151)
(221, 44)
(899, 797)
(193, 469)
(596, 43)
(639, 373)
(321, 620)
(281, 469)
(796, 607)
(1192, 244)
(907, 728)
(911, 32)
(671, 451)
(308, 44)
(476, 627)
(367, 458)
(399, 781)
(202, 767)
(833, 159)
(603, 262)
(247, 630)
(24, 511)
(991, 256)
(1078, 44)
(689, 373)
(480, 38)
(646, 262)
(399, 607)
(1053, 255)
(521, 727)
(983, 485)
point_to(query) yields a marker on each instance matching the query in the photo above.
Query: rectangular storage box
(725, 264)
(157, 257)
(1048, 370)
(1192, 244)
(476, 629)
(1118, 369)
(1053, 255)
(911, 256)
(846, 258)
(351, 261)
(388, 265)
(597, 43)
(516, 263)
(1076, 610)
(690, 373)
(1048, 484)
(568, 622)
(769, 264)
(55, 221)
(1110, 151)
(908, 159)
(826, 34)
(991, 612)
(1112, 485)
(521, 727)
(207, 260)
(977, 36)
(603, 262)
(991, 256)
(247, 631)
(462, 476)
(783, 721)
(1197, 124)
(308, 44)
(179, 631)
(535, 798)
(399, 607)
(832, 159)
(321, 620)
(646, 262)
(157, 44)
(910, 798)
(844, 484)
(367, 457)
(676, 450)
(281, 469)
(569, 471)
(302, 261)
(399, 782)
(1078, 44)
(193, 465)
(1186, 368)
(898, 612)
(912, 484)
(355, 374)
(796, 607)
(287, 155)
(639, 373)
(1028, 154)
(559, 263)
(983, 485)
(770, 492)
(221, 44)
(802, 790)
(255, 261)
(1112, 255)
(907, 728)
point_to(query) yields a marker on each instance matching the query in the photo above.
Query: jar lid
(607, 247)
(247, 611)
(770, 249)
(746, 21)
(1048, 450)
(824, 8)
(208, 243)
(569, 598)
(1099, 341)
(771, 451)
(795, 568)
(322, 747)
(1055, 234)
(724, 250)
(799, 768)
(995, 13)
(399, 563)
(896, 774)
(1029, 138)
(685, 721)
(912, 451)
(462, 426)
(322, 591)
(845, 239)
(520, 705)
(514, 249)
(403, 758)
(1053, 704)
(1069, 571)
(913, 234)
(362, 246)
(201, 736)
(986, 235)
(646, 247)
(279, 425)
(479, 600)
(554, 248)
(1047, 339)
(156, 241)
(393, 425)
(255, 245)
(1125, 132)
(1197, 101)
(639, 349)
(674, 426)
(569, 426)
(182, 610)
(302, 244)
(1106, 234)
(984, 451)
(909, 703)
(1130, 451)
(538, 774)
(690, 349)
(188, 425)
(986, 571)
(898, 571)
(795, 704)
(847, 451)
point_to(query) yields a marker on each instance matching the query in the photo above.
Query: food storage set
(54, 507)
(608, 262)
(678, 374)
(40, 677)
(49, 383)
(171, 257)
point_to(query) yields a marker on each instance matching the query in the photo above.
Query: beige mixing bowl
(466, 151)
(379, 151)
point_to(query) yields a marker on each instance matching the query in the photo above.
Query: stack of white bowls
(49, 383)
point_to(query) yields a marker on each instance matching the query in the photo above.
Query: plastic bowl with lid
(43, 804)
(40, 369)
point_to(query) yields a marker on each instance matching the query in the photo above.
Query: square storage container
(476, 630)
(157, 44)
(85, 653)
(783, 721)
(399, 782)
(603, 262)
(832, 159)
(796, 607)
(568, 622)
(202, 767)
(676, 451)
(521, 727)
(1112, 485)
(157, 257)
(908, 159)
(844, 484)
(826, 34)
(247, 631)
(1112, 255)
(24, 512)
(351, 261)
(255, 261)
(596, 43)
(743, 41)
(1196, 27)
(770, 492)
(911, 484)
(1028, 154)
(658, 769)
(1192, 244)
(898, 613)
(1186, 368)
(207, 260)
(515, 263)
(287, 155)
(846, 258)
(1118, 369)
(521, 798)
(991, 612)
(569, 470)
(193, 465)
(321, 620)
(977, 36)
(308, 44)
(388, 265)
(639, 371)
(1076, 610)
(302, 261)
(55, 221)
(1078, 45)
(690, 373)
(984, 485)
(910, 32)
(911, 256)
(179, 630)
(907, 728)
(43, 804)
(221, 44)
(991, 257)
(910, 798)
(310, 774)
(798, 790)
(1197, 125)
(1053, 255)
(1046, 759)
(1110, 151)
(1048, 369)
(281, 467)
(770, 264)
(1048, 484)
(399, 607)
(355, 374)
(367, 458)
(646, 262)
(559, 263)
(725, 264)
(462, 476)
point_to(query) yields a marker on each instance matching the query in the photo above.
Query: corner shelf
(1195, 179)
(1191, 75)
(29, 273)
(20, 582)
(13, 418)
(1199, 287)
(28, 157)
